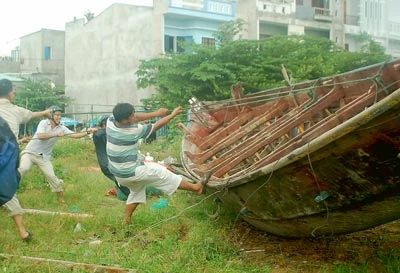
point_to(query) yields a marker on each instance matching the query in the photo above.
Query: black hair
(5, 87)
(123, 111)
(102, 121)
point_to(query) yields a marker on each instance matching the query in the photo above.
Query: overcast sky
(21, 17)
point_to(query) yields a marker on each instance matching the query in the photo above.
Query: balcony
(281, 7)
(210, 6)
(352, 20)
(322, 14)
(394, 30)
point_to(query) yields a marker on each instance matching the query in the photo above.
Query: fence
(78, 117)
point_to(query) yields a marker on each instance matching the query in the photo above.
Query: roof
(10, 77)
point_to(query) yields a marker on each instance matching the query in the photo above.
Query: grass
(177, 238)
(181, 237)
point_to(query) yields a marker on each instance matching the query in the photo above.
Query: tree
(38, 96)
(229, 31)
(88, 15)
(208, 73)
(368, 45)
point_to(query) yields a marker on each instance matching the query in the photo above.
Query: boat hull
(342, 179)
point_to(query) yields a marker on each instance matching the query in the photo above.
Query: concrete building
(42, 54)
(372, 17)
(102, 55)
(290, 17)
(342, 21)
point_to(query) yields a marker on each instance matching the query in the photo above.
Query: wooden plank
(251, 146)
(69, 264)
(45, 212)
(199, 158)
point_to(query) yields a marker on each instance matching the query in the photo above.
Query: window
(180, 44)
(320, 4)
(208, 41)
(47, 53)
(176, 43)
(299, 2)
(168, 43)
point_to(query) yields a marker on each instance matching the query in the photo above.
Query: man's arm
(143, 116)
(82, 134)
(45, 113)
(163, 121)
(44, 136)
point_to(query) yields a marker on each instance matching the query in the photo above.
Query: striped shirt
(122, 147)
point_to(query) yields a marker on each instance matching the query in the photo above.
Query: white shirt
(45, 146)
(14, 115)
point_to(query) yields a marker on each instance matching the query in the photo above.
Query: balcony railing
(282, 7)
(212, 6)
(322, 14)
(394, 29)
(352, 20)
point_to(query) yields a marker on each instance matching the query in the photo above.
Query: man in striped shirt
(123, 134)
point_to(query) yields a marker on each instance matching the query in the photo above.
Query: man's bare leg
(129, 209)
(60, 197)
(20, 226)
(196, 188)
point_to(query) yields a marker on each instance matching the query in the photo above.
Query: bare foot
(126, 221)
(62, 202)
(200, 187)
(203, 182)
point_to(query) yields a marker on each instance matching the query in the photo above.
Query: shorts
(150, 174)
(13, 207)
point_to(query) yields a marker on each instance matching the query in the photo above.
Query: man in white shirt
(39, 149)
(14, 116)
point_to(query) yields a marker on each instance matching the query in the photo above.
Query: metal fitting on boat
(244, 211)
(321, 196)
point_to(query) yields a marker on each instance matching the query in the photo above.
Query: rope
(156, 224)
(252, 194)
(319, 189)
(65, 135)
(290, 93)
(214, 215)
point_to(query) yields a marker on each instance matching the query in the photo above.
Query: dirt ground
(367, 247)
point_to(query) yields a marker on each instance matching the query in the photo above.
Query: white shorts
(13, 207)
(152, 174)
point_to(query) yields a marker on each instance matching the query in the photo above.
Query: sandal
(28, 238)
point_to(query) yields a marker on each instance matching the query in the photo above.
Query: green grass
(181, 237)
(178, 238)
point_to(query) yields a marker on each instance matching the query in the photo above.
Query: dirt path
(312, 255)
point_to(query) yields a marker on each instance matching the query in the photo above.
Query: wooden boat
(317, 158)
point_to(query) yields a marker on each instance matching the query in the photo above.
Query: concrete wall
(32, 55)
(104, 54)
(32, 51)
(247, 11)
(56, 41)
(9, 67)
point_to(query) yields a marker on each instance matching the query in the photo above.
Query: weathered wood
(69, 264)
(338, 136)
(45, 212)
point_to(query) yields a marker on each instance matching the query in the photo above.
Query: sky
(21, 17)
